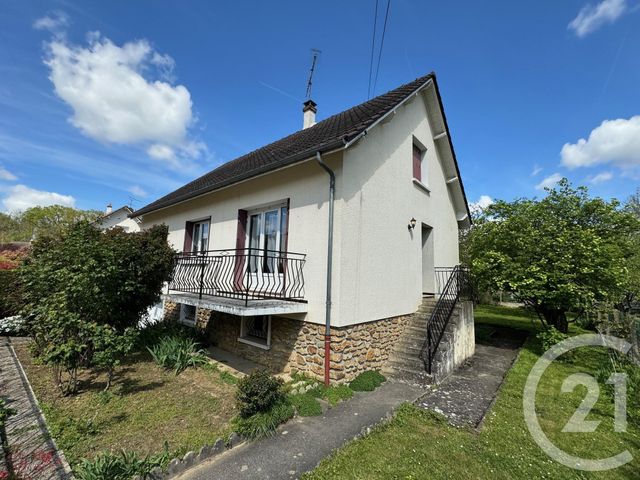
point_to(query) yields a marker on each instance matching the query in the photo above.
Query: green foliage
(336, 394)
(258, 392)
(367, 381)
(152, 334)
(5, 413)
(264, 423)
(85, 291)
(561, 253)
(306, 405)
(52, 220)
(11, 293)
(227, 378)
(621, 364)
(177, 353)
(549, 337)
(121, 466)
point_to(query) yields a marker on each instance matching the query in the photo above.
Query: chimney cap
(309, 105)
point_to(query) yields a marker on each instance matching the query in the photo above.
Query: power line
(384, 29)
(373, 48)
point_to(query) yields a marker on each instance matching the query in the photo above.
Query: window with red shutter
(417, 162)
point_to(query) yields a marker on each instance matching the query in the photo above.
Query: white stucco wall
(307, 187)
(380, 259)
(119, 218)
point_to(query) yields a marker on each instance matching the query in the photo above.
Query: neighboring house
(118, 218)
(256, 244)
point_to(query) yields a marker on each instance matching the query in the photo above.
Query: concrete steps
(405, 364)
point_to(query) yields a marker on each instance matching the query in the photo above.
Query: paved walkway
(33, 454)
(466, 396)
(300, 445)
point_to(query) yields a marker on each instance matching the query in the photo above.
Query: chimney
(108, 210)
(309, 114)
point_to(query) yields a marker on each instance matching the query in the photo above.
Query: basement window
(256, 331)
(188, 314)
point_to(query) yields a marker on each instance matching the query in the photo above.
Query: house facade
(257, 248)
(118, 218)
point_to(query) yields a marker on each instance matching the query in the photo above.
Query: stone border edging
(41, 418)
(191, 458)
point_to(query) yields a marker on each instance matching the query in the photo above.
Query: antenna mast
(315, 53)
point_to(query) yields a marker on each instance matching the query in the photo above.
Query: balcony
(243, 282)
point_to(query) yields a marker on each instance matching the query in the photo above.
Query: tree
(558, 254)
(51, 220)
(86, 290)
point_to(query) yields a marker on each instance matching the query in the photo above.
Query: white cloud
(21, 197)
(7, 175)
(483, 202)
(137, 191)
(116, 99)
(536, 170)
(614, 141)
(53, 23)
(591, 17)
(600, 178)
(549, 182)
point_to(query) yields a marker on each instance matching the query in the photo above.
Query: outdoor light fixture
(412, 223)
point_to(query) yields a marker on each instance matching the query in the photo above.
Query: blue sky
(100, 101)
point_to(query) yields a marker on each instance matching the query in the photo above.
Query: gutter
(327, 328)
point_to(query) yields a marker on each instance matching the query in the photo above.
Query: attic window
(418, 156)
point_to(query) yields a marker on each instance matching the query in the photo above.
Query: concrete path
(299, 445)
(34, 455)
(466, 396)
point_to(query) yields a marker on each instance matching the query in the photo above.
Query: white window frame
(255, 341)
(183, 319)
(194, 240)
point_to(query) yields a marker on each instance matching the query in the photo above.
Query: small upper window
(200, 237)
(418, 155)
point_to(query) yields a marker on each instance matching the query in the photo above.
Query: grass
(306, 405)
(367, 381)
(425, 446)
(145, 407)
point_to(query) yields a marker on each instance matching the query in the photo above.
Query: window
(267, 236)
(418, 154)
(200, 237)
(188, 314)
(256, 331)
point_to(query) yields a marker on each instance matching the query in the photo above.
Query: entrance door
(266, 240)
(428, 267)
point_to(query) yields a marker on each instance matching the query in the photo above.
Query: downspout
(327, 328)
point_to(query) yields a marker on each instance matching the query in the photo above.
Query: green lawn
(417, 444)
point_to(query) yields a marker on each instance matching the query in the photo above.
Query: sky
(122, 102)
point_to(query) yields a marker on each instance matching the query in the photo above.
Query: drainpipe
(327, 328)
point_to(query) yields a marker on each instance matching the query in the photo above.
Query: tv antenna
(315, 53)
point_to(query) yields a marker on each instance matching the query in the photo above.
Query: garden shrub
(120, 466)
(177, 353)
(367, 381)
(258, 392)
(549, 337)
(13, 326)
(337, 393)
(85, 291)
(11, 293)
(306, 405)
(151, 334)
(264, 423)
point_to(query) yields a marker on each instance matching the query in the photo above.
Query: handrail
(457, 284)
(242, 273)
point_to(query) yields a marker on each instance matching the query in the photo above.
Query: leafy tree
(86, 291)
(558, 254)
(632, 295)
(51, 220)
(9, 228)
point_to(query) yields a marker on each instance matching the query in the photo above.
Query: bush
(13, 326)
(549, 337)
(177, 353)
(122, 466)
(264, 424)
(367, 381)
(151, 334)
(258, 393)
(11, 294)
(306, 405)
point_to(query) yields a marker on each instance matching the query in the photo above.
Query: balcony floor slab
(238, 307)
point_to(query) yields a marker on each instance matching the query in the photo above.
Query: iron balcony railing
(456, 285)
(242, 274)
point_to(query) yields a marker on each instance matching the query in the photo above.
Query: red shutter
(241, 235)
(188, 237)
(285, 241)
(417, 163)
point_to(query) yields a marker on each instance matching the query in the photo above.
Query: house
(118, 218)
(313, 253)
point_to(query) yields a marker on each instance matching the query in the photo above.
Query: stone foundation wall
(299, 346)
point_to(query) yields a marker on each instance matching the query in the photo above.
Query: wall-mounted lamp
(412, 223)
